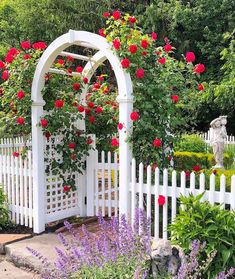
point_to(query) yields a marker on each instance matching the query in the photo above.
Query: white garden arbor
(125, 100)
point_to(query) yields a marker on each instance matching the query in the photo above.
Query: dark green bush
(209, 223)
(4, 212)
(191, 143)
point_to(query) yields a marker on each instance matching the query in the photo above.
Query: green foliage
(190, 143)
(186, 160)
(122, 268)
(209, 223)
(4, 212)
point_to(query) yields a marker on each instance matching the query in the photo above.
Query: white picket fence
(144, 193)
(208, 136)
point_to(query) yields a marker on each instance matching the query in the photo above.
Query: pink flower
(120, 126)
(115, 142)
(154, 36)
(25, 45)
(20, 94)
(106, 14)
(39, 45)
(2, 65)
(190, 57)
(9, 58)
(5, 75)
(199, 68)
(134, 116)
(161, 200)
(167, 47)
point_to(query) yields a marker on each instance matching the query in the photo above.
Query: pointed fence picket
(145, 194)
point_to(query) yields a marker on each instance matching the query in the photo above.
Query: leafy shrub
(186, 160)
(191, 143)
(4, 212)
(207, 223)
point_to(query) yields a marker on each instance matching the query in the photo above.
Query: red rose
(144, 53)
(120, 126)
(76, 86)
(39, 45)
(92, 119)
(154, 36)
(157, 143)
(167, 47)
(106, 14)
(132, 19)
(89, 141)
(75, 104)
(139, 73)
(2, 65)
(85, 80)
(73, 156)
(27, 56)
(196, 168)
(47, 135)
(116, 15)
(190, 57)
(81, 109)
(106, 90)
(96, 85)
(9, 58)
(102, 32)
(99, 110)
(162, 60)
(44, 123)
(25, 45)
(69, 71)
(187, 173)
(20, 120)
(59, 103)
(116, 44)
(161, 200)
(16, 154)
(5, 75)
(133, 48)
(60, 61)
(214, 172)
(175, 98)
(144, 43)
(90, 104)
(125, 63)
(66, 188)
(70, 58)
(200, 87)
(115, 142)
(72, 145)
(87, 111)
(199, 68)
(20, 94)
(79, 69)
(134, 116)
(13, 51)
(154, 166)
(169, 158)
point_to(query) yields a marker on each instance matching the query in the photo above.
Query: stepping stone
(9, 238)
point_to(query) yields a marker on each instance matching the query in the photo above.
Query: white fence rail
(144, 193)
(207, 137)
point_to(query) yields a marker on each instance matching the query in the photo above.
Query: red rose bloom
(13, 51)
(73, 156)
(66, 188)
(44, 123)
(200, 87)
(59, 103)
(187, 173)
(144, 53)
(162, 60)
(97, 85)
(132, 19)
(115, 142)
(100, 78)
(27, 56)
(102, 32)
(199, 68)
(81, 109)
(134, 116)
(87, 111)
(47, 135)
(120, 126)
(9, 58)
(5, 75)
(76, 86)
(69, 71)
(61, 61)
(70, 58)
(106, 14)
(161, 200)
(139, 73)
(154, 36)
(16, 154)
(89, 141)
(116, 15)
(167, 47)
(2, 65)
(133, 48)
(196, 168)
(25, 45)
(125, 63)
(20, 94)
(157, 143)
(85, 80)
(154, 166)
(99, 110)
(214, 172)
(79, 69)
(72, 145)
(20, 120)
(190, 57)
(144, 43)
(175, 98)
(39, 45)
(90, 104)
(92, 119)
(116, 44)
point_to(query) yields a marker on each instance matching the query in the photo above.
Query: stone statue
(219, 136)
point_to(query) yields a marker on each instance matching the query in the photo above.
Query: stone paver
(9, 238)
(9, 271)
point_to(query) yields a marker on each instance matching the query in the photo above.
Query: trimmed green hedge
(191, 143)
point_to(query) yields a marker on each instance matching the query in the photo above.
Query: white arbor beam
(62, 72)
(76, 56)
